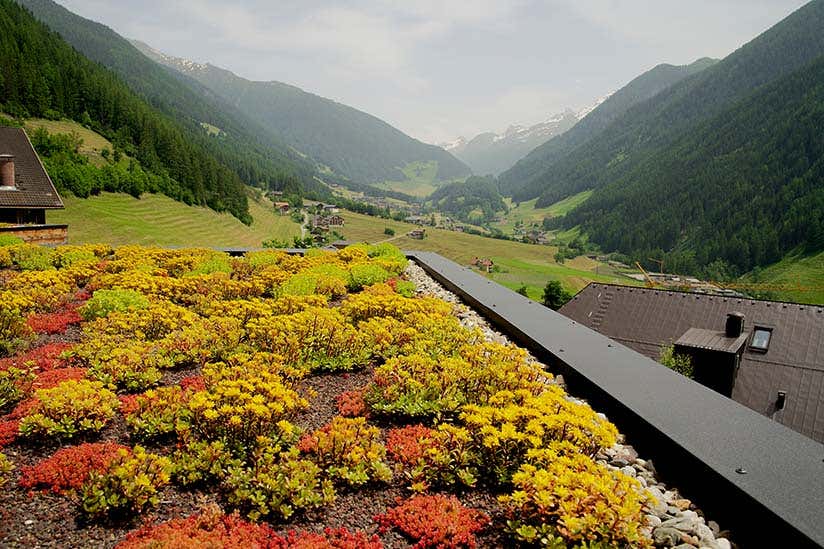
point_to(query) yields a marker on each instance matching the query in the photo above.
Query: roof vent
(735, 324)
(7, 171)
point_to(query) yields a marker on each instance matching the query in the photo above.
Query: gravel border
(675, 521)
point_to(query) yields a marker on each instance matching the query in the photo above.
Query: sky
(439, 69)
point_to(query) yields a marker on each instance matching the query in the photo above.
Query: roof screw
(741, 471)
(609, 344)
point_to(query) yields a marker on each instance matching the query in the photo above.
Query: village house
(326, 221)
(282, 207)
(26, 192)
(484, 264)
(417, 234)
(766, 355)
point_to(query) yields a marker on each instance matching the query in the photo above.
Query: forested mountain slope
(740, 190)
(647, 129)
(351, 142)
(525, 181)
(44, 76)
(256, 154)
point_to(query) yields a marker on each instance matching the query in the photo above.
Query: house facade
(26, 192)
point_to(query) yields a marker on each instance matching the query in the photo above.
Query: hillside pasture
(119, 219)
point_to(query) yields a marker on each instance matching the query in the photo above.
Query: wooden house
(26, 192)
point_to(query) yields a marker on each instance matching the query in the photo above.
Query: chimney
(735, 324)
(7, 170)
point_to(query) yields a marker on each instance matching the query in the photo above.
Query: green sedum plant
(278, 484)
(105, 302)
(129, 484)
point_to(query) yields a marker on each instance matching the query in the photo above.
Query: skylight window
(761, 339)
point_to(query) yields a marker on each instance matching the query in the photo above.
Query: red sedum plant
(211, 528)
(69, 468)
(332, 538)
(435, 521)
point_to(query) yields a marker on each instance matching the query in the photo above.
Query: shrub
(128, 485)
(159, 413)
(105, 302)
(348, 450)
(70, 408)
(210, 528)
(67, 469)
(435, 521)
(676, 362)
(569, 499)
(515, 423)
(278, 485)
(434, 457)
(389, 231)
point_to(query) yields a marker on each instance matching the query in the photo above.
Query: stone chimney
(7, 171)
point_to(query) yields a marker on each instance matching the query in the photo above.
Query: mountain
(656, 123)
(722, 171)
(526, 179)
(353, 143)
(491, 153)
(256, 154)
(43, 76)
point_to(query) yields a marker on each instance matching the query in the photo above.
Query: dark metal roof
(34, 187)
(712, 340)
(645, 319)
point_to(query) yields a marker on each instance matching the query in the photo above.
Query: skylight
(761, 339)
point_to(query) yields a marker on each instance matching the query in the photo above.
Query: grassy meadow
(519, 264)
(805, 272)
(526, 212)
(117, 219)
(420, 179)
(93, 142)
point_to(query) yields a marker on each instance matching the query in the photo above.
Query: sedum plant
(348, 450)
(128, 485)
(71, 408)
(105, 302)
(278, 485)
